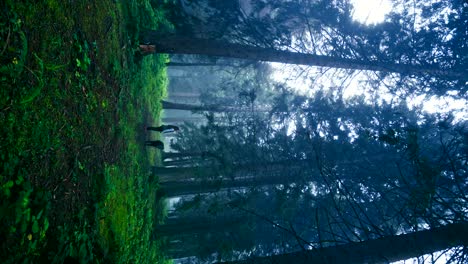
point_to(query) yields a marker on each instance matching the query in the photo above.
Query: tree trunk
(189, 247)
(184, 97)
(177, 249)
(191, 64)
(261, 171)
(200, 232)
(181, 120)
(204, 224)
(210, 108)
(179, 188)
(188, 64)
(187, 158)
(183, 173)
(182, 155)
(176, 189)
(175, 44)
(382, 250)
(179, 163)
(185, 94)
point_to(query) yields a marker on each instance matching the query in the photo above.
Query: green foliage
(129, 221)
(24, 222)
(71, 111)
(82, 59)
(79, 243)
(40, 82)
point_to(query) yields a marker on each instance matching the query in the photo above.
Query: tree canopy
(276, 175)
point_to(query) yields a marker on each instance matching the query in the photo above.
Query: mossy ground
(74, 100)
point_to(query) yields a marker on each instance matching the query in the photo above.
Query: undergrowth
(74, 97)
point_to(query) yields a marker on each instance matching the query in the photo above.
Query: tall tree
(382, 250)
(209, 108)
(174, 44)
(257, 178)
(377, 169)
(416, 34)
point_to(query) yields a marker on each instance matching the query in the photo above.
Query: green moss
(72, 110)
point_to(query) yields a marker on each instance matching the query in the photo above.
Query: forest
(300, 131)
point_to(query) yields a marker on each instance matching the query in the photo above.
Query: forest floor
(74, 99)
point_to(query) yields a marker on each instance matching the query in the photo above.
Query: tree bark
(183, 155)
(188, 64)
(185, 94)
(189, 247)
(191, 97)
(178, 163)
(190, 237)
(204, 224)
(183, 173)
(383, 250)
(179, 188)
(191, 64)
(258, 177)
(210, 108)
(175, 44)
(237, 171)
(181, 120)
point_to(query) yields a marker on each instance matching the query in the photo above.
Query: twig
(7, 41)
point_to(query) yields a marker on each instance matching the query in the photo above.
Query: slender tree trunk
(179, 163)
(239, 172)
(200, 232)
(383, 250)
(211, 108)
(187, 157)
(175, 44)
(184, 97)
(181, 120)
(199, 225)
(185, 94)
(183, 173)
(182, 155)
(179, 188)
(180, 248)
(191, 64)
(188, 247)
(187, 64)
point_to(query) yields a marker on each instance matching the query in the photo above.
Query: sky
(370, 11)
(367, 12)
